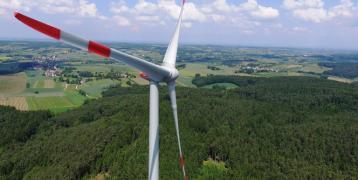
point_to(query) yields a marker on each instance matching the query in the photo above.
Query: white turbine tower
(154, 73)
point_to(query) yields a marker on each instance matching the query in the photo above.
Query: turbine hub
(174, 74)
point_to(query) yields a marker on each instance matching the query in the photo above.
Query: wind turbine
(166, 72)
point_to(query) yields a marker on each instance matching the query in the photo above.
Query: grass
(46, 83)
(105, 68)
(95, 88)
(75, 98)
(226, 85)
(33, 77)
(140, 81)
(12, 84)
(185, 81)
(51, 103)
(42, 92)
(49, 83)
(315, 68)
(201, 68)
(39, 84)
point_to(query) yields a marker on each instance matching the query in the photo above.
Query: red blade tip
(16, 14)
(39, 26)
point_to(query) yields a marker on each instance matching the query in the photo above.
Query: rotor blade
(155, 72)
(171, 53)
(173, 101)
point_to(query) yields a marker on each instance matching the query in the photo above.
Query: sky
(282, 23)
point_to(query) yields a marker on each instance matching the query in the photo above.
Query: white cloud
(79, 8)
(301, 4)
(162, 11)
(10, 4)
(121, 21)
(145, 7)
(314, 10)
(218, 17)
(311, 14)
(157, 13)
(343, 9)
(299, 29)
(221, 5)
(87, 9)
(151, 20)
(265, 12)
(119, 7)
(251, 8)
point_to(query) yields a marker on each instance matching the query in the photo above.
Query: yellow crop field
(10, 84)
(340, 79)
(49, 83)
(4, 58)
(19, 103)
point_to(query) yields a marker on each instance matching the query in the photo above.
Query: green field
(185, 81)
(226, 85)
(4, 58)
(105, 68)
(201, 68)
(74, 97)
(55, 104)
(95, 88)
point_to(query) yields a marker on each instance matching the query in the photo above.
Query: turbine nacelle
(172, 75)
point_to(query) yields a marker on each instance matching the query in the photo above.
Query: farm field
(340, 79)
(4, 58)
(105, 68)
(201, 68)
(55, 104)
(95, 88)
(19, 102)
(11, 84)
(314, 67)
(31, 91)
(226, 85)
(47, 83)
(185, 81)
(78, 76)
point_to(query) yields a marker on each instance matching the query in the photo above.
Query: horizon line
(195, 43)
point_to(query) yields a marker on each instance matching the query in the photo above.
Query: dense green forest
(343, 69)
(267, 128)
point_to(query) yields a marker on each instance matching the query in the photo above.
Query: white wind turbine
(166, 72)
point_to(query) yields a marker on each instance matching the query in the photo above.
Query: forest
(15, 67)
(343, 69)
(267, 128)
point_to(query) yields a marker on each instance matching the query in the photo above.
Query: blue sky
(285, 23)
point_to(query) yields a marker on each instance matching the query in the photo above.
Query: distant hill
(267, 128)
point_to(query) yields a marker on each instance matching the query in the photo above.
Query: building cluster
(55, 72)
(256, 69)
(49, 58)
